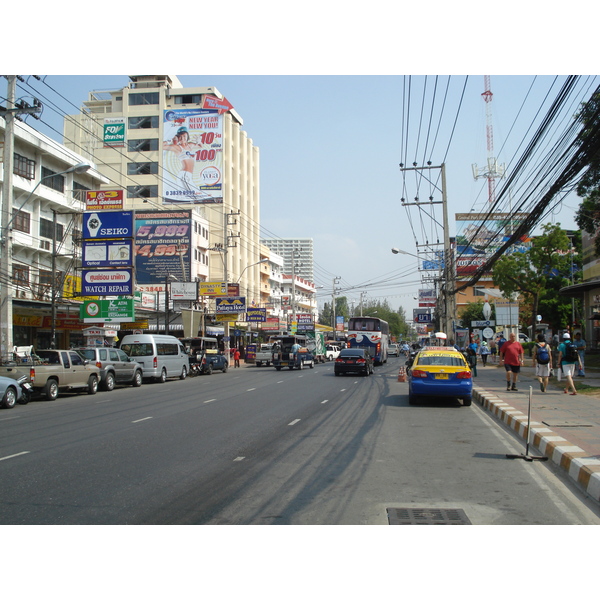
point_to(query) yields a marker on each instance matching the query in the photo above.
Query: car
(440, 372)
(115, 366)
(353, 360)
(213, 361)
(332, 351)
(393, 350)
(11, 393)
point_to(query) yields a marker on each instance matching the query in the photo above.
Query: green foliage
(473, 311)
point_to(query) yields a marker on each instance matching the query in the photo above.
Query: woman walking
(542, 361)
(484, 352)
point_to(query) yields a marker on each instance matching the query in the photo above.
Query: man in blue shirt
(568, 366)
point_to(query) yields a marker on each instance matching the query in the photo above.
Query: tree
(473, 311)
(528, 273)
(588, 188)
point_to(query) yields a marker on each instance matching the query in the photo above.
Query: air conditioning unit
(44, 244)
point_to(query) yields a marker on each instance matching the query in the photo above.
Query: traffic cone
(402, 374)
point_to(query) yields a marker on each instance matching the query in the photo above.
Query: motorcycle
(26, 388)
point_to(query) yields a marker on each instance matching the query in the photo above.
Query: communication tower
(492, 170)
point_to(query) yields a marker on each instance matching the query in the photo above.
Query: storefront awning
(577, 290)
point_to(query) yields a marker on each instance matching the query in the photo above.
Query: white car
(332, 352)
(393, 350)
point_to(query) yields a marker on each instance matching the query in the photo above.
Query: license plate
(442, 376)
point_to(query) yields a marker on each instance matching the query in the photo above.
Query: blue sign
(109, 253)
(101, 225)
(235, 304)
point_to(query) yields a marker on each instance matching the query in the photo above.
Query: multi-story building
(41, 240)
(172, 148)
(297, 255)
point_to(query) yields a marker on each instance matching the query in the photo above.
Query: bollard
(402, 374)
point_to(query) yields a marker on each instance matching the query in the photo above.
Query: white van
(161, 356)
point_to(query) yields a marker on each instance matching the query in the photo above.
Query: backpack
(542, 356)
(571, 354)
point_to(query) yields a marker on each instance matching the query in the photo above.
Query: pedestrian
(556, 366)
(569, 358)
(542, 361)
(236, 358)
(579, 343)
(472, 359)
(493, 351)
(484, 352)
(511, 356)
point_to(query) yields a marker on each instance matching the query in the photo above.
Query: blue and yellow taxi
(440, 372)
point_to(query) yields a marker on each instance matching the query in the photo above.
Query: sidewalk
(564, 428)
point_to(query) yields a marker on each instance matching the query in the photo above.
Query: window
(52, 180)
(146, 145)
(79, 191)
(143, 98)
(150, 122)
(142, 191)
(21, 221)
(142, 168)
(188, 99)
(46, 230)
(25, 167)
(21, 275)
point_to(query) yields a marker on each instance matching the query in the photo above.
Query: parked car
(115, 366)
(353, 360)
(213, 361)
(393, 350)
(11, 392)
(161, 356)
(440, 372)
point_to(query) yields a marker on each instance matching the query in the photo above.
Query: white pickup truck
(332, 352)
(264, 355)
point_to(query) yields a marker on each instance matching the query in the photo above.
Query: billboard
(162, 245)
(98, 225)
(479, 236)
(193, 156)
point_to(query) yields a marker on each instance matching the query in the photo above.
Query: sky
(336, 99)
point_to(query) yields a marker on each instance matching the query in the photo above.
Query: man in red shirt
(512, 355)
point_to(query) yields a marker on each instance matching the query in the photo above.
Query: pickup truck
(264, 355)
(299, 360)
(53, 371)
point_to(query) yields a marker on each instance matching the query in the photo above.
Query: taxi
(440, 372)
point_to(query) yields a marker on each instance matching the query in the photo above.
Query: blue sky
(330, 144)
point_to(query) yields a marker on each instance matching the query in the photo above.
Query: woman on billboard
(185, 150)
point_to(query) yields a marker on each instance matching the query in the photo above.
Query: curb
(585, 472)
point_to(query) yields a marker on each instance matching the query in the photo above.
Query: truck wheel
(10, 397)
(163, 376)
(312, 365)
(109, 382)
(183, 373)
(209, 369)
(51, 389)
(268, 363)
(92, 385)
(259, 364)
(278, 368)
(137, 379)
(225, 367)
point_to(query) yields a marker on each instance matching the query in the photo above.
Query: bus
(372, 333)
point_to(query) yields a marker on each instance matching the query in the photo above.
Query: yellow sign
(212, 288)
(72, 289)
(227, 317)
(135, 325)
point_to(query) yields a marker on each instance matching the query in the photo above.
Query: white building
(41, 240)
(172, 148)
(297, 255)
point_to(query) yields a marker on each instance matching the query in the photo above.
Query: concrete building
(41, 240)
(297, 255)
(172, 148)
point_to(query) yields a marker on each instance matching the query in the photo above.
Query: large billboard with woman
(192, 156)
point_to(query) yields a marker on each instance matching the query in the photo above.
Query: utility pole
(12, 110)
(335, 281)
(447, 286)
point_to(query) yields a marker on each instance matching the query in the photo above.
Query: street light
(262, 260)
(398, 251)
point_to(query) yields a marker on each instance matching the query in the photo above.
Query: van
(161, 356)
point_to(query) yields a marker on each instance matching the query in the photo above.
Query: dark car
(115, 366)
(353, 360)
(210, 362)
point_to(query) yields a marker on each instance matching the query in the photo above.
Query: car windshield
(88, 353)
(441, 361)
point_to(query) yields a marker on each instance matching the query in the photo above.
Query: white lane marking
(250, 390)
(239, 458)
(14, 455)
(324, 401)
(343, 390)
(280, 381)
(144, 419)
(294, 422)
(211, 400)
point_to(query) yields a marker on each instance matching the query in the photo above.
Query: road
(257, 446)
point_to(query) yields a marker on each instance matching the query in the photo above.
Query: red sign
(212, 102)
(104, 200)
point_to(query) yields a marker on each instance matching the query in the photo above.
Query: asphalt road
(257, 446)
